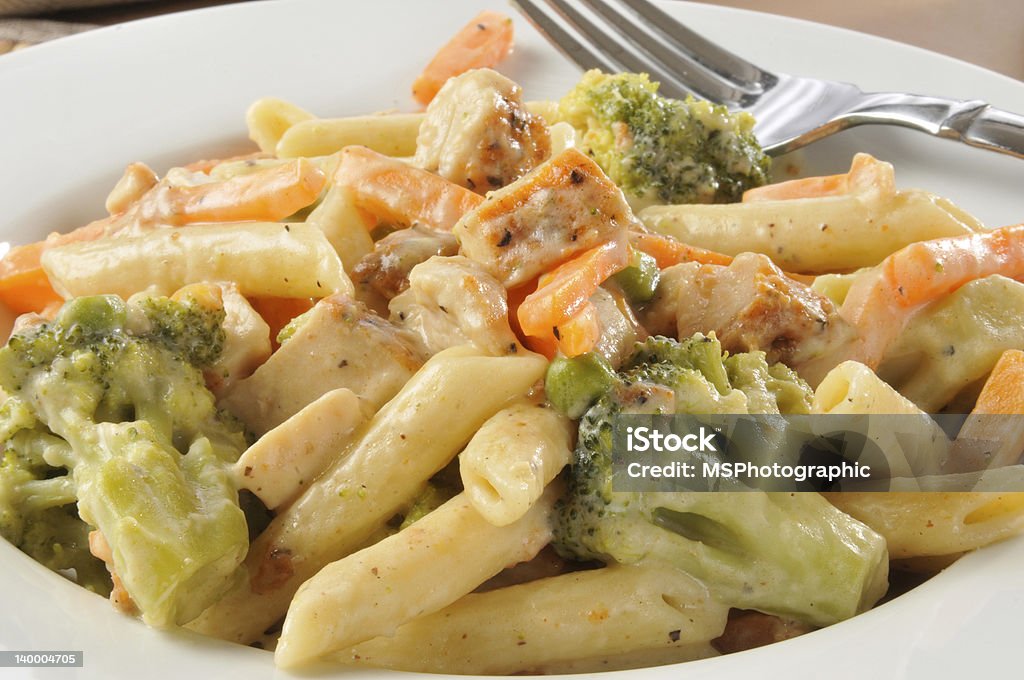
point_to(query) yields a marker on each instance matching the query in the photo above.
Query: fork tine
(662, 47)
(612, 43)
(711, 56)
(577, 52)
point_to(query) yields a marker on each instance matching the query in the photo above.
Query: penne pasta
(813, 235)
(589, 614)
(512, 458)
(392, 134)
(269, 118)
(345, 226)
(271, 259)
(852, 388)
(400, 449)
(917, 524)
(419, 570)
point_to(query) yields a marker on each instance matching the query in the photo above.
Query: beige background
(989, 33)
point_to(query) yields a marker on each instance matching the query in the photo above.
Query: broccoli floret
(664, 150)
(186, 327)
(37, 511)
(108, 425)
(791, 554)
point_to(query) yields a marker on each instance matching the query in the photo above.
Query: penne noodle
(345, 226)
(269, 118)
(529, 627)
(419, 570)
(392, 134)
(263, 259)
(813, 235)
(512, 458)
(916, 524)
(399, 450)
(852, 388)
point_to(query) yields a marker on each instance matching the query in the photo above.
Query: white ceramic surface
(74, 112)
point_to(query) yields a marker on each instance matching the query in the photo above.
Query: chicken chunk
(339, 344)
(562, 208)
(246, 345)
(386, 269)
(750, 305)
(452, 301)
(478, 134)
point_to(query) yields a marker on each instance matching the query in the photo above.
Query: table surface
(989, 33)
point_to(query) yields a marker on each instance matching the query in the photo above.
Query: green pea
(640, 279)
(572, 385)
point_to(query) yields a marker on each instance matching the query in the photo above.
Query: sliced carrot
(580, 333)
(24, 286)
(482, 43)
(400, 194)
(563, 292)
(267, 195)
(880, 302)
(577, 335)
(667, 251)
(866, 172)
(1003, 392)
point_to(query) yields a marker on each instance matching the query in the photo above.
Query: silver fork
(791, 111)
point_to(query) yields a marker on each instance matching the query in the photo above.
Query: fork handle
(995, 129)
(973, 121)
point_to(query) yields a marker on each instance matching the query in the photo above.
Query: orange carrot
(482, 43)
(880, 302)
(580, 333)
(865, 172)
(24, 286)
(566, 290)
(667, 251)
(577, 335)
(267, 195)
(398, 193)
(1003, 392)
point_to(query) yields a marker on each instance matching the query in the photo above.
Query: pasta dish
(353, 397)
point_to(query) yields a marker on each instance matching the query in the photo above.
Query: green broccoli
(791, 554)
(661, 150)
(106, 407)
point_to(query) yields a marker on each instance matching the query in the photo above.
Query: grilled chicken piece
(386, 269)
(750, 305)
(562, 208)
(478, 134)
(452, 301)
(340, 344)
